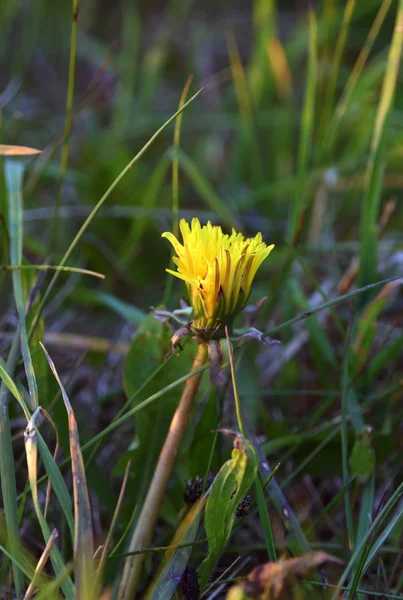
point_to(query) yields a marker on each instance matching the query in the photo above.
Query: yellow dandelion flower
(218, 270)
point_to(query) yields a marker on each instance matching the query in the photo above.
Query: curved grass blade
(83, 537)
(105, 549)
(176, 558)
(57, 481)
(31, 449)
(307, 119)
(316, 309)
(52, 268)
(100, 203)
(14, 171)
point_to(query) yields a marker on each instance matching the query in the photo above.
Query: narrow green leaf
(307, 126)
(14, 171)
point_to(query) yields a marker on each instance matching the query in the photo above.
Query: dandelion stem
(149, 513)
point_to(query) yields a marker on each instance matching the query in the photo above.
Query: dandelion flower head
(218, 270)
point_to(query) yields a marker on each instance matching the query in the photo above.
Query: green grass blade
(261, 501)
(69, 117)
(344, 442)
(376, 162)
(31, 450)
(9, 495)
(83, 534)
(354, 76)
(316, 309)
(206, 190)
(307, 126)
(175, 182)
(359, 552)
(58, 483)
(52, 268)
(338, 53)
(14, 171)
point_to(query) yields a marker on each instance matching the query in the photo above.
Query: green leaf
(362, 459)
(230, 486)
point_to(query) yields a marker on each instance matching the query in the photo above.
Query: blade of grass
(149, 200)
(127, 61)
(338, 53)
(206, 190)
(58, 484)
(359, 552)
(7, 473)
(41, 564)
(18, 562)
(83, 537)
(52, 469)
(69, 118)
(247, 120)
(376, 162)
(52, 268)
(100, 203)
(175, 182)
(14, 171)
(371, 551)
(354, 76)
(105, 549)
(31, 449)
(316, 309)
(261, 502)
(307, 128)
(344, 441)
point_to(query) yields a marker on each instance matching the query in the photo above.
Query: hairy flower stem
(146, 522)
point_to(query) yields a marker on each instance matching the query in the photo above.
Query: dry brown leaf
(270, 579)
(6, 150)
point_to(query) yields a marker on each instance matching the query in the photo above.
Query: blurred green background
(241, 161)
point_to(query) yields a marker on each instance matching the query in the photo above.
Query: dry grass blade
(271, 579)
(7, 150)
(41, 563)
(83, 538)
(105, 548)
(31, 450)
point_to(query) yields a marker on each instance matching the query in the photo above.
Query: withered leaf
(271, 579)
